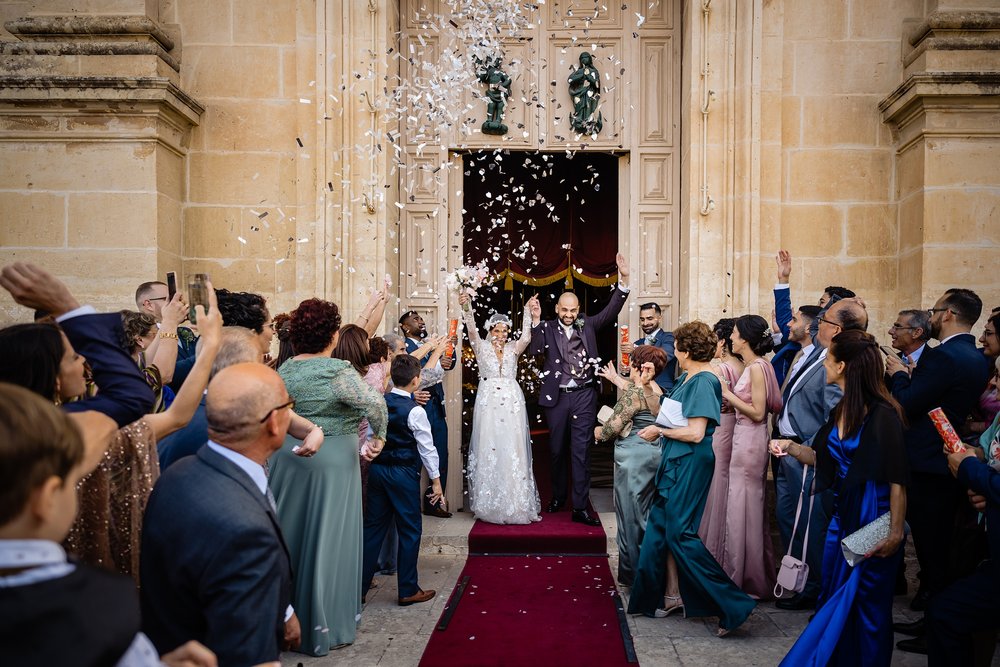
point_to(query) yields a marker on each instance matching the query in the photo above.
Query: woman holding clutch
(859, 454)
(673, 561)
(636, 459)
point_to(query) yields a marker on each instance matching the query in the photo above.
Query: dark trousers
(571, 431)
(393, 499)
(968, 607)
(932, 505)
(439, 431)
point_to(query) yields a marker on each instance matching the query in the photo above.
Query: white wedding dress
(501, 484)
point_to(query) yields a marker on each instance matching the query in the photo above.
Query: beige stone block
(168, 261)
(791, 121)
(839, 175)
(133, 65)
(972, 267)
(815, 20)
(812, 230)
(962, 217)
(770, 116)
(243, 275)
(770, 170)
(212, 231)
(206, 22)
(112, 220)
(871, 230)
(169, 173)
(882, 20)
(36, 219)
(234, 178)
(962, 161)
(911, 222)
(169, 216)
(910, 170)
(291, 87)
(257, 22)
(850, 68)
(911, 277)
(236, 125)
(266, 233)
(249, 72)
(16, 125)
(840, 120)
(77, 166)
(870, 278)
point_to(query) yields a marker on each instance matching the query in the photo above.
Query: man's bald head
(239, 397)
(844, 315)
(568, 308)
(239, 346)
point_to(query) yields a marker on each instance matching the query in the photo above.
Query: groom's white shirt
(421, 428)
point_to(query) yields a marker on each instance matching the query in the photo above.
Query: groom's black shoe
(583, 516)
(555, 505)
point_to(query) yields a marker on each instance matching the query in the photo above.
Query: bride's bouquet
(467, 279)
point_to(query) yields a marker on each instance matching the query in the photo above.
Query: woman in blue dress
(673, 561)
(859, 454)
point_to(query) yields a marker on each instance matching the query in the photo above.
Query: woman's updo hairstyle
(754, 330)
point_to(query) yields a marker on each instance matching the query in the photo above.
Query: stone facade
(232, 137)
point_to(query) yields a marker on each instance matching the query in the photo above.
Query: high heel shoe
(674, 603)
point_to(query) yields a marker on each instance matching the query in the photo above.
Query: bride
(501, 485)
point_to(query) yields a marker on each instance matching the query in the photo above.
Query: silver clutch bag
(861, 541)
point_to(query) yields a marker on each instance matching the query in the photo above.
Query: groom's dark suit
(572, 411)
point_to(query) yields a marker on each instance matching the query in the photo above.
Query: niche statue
(585, 91)
(497, 91)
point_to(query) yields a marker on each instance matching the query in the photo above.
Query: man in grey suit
(807, 402)
(215, 566)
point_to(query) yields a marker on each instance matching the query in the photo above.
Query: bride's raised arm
(522, 343)
(469, 317)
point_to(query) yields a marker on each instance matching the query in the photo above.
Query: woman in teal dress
(636, 459)
(673, 560)
(319, 497)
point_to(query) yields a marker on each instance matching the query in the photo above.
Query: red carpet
(531, 610)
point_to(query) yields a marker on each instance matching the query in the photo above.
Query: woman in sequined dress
(501, 483)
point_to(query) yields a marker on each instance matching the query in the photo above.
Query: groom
(568, 393)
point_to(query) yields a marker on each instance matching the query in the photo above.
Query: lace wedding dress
(501, 484)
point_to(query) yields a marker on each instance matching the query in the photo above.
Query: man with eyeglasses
(150, 298)
(950, 376)
(215, 566)
(910, 333)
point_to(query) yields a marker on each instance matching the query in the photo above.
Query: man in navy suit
(651, 322)
(415, 330)
(950, 376)
(568, 393)
(215, 567)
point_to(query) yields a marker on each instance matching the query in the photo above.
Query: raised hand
(623, 270)
(34, 287)
(210, 323)
(174, 312)
(463, 300)
(534, 309)
(784, 262)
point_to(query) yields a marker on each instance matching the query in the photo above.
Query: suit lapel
(807, 369)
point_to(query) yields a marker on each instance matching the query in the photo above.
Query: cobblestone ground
(393, 636)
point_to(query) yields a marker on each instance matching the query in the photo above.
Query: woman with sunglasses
(319, 497)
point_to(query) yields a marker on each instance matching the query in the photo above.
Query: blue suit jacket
(950, 376)
(547, 338)
(123, 393)
(214, 565)
(185, 442)
(810, 400)
(664, 341)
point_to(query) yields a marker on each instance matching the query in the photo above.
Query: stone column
(93, 133)
(946, 126)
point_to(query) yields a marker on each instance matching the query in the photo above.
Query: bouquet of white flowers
(467, 279)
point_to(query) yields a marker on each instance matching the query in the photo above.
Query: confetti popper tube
(625, 355)
(947, 432)
(452, 331)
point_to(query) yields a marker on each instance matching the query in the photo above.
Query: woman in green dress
(636, 459)
(319, 497)
(673, 560)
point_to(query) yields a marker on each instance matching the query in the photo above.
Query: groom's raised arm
(618, 297)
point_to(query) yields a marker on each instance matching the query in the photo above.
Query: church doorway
(543, 223)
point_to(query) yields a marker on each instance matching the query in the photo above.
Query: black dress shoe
(915, 645)
(438, 512)
(919, 601)
(914, 629)
(555, 506)
(583, 516)
(797, 603)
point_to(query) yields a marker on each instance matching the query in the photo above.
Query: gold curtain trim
(507, 276)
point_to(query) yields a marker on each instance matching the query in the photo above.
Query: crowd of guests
(160, 460)
(842, 426)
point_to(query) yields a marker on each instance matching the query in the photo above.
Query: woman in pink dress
(748, 557)
(713, 519)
